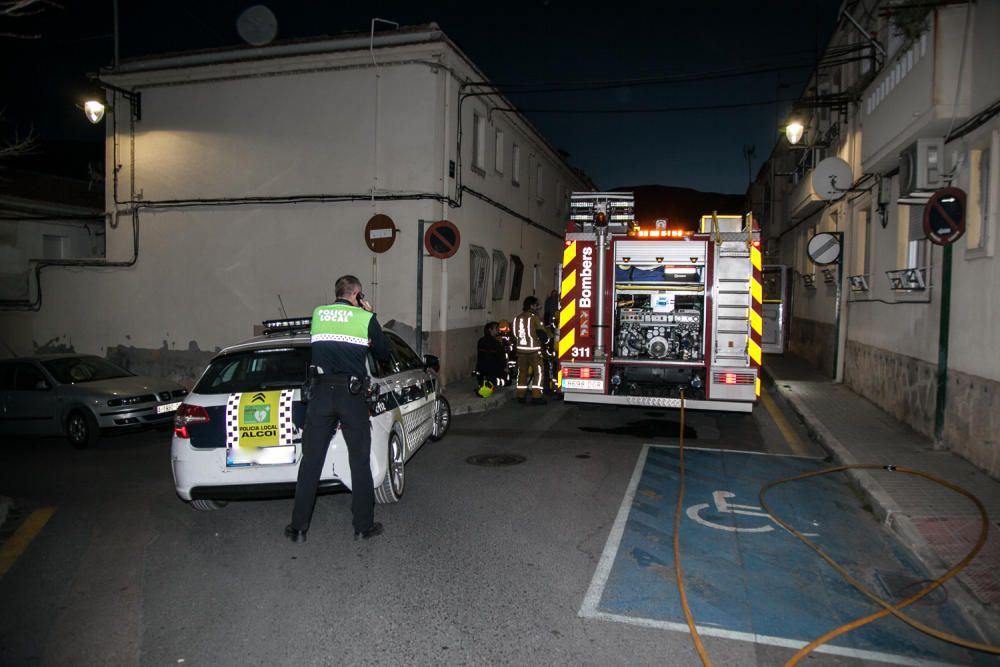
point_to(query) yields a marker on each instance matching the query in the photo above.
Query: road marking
(786, 429)
(22, 537)
(592, 599)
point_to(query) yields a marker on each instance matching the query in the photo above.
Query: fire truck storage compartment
(659, 301)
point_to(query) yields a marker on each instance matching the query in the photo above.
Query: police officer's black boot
(374, 531)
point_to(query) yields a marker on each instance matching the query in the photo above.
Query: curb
(888, 513)
(476, 404)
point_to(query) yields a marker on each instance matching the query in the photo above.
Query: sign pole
(943, 335)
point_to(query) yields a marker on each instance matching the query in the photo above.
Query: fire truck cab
(649, 315)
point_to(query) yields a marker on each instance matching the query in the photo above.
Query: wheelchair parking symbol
(722, 505)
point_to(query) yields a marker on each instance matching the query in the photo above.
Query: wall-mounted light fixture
(794, 131)
(94, 108)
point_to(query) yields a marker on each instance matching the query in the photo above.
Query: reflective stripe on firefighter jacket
(526, 326)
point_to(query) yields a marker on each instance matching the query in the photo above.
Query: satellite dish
(257, 25)
(831, 179)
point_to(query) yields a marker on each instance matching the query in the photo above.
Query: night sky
(766, 50)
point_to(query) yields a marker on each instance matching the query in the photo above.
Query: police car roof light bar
(290, 324)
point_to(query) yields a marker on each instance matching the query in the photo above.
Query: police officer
(341, 336)
(529, 352)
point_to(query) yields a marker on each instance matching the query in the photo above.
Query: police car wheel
(208, 505)
(442, 418)
(391, 488)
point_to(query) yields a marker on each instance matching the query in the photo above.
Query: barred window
(478, 142)
(499, 274)
(517, 273)
(479, 269)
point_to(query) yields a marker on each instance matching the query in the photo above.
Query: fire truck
(649, 314)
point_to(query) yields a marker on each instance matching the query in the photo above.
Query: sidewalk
(940, 526)
(461, 394)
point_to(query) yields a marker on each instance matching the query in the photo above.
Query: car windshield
(253, 370)
(70, 370)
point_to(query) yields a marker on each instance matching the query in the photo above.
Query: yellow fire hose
(887, 608)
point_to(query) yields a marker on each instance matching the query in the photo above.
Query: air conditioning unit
(921, 170)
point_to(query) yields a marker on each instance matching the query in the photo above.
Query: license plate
(167, 407)
(260, 456)
(575, 383)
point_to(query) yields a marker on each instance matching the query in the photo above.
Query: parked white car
(238, 433)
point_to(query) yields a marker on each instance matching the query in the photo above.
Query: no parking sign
(944, 216)
(442, 239)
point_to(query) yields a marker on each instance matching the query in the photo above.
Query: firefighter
(526, 328)
(342, 335)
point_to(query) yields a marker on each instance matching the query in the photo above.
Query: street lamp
(94, 108)
(94, 111)
(794, 131)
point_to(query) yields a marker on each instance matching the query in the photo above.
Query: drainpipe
(943, 333)
(418, 325)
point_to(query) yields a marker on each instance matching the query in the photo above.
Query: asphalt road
(478, 564)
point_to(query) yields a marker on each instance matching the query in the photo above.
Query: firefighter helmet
(504, 326)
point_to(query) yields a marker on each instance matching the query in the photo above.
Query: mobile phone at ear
(361, 297)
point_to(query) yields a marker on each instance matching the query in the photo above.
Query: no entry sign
(442, 239)
(380, 233)
(944, 216)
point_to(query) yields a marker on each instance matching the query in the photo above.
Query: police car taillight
(188, 414)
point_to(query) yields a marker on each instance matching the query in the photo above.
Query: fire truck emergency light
(660, 233)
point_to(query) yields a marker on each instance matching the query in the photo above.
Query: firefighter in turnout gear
(526, 328)
(342, 335)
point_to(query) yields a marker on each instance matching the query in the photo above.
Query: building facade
(240, 183)
(907, 99)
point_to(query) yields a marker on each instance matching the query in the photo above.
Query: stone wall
(903, 386)
(972, 420)
(813, 341)
(906, 388)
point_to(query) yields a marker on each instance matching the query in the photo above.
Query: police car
(238, 433)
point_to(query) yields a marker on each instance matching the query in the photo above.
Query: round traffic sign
(380, 233)
(944, 216)
(824, 248)
(442, 239)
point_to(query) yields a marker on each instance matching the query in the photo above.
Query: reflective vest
(340, 323)
(525, 327)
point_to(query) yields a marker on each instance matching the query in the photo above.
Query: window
(406, 359)
(517, 274)
(498, 156)
(913, 244)
(28, 378)
(499, 274)
(478, 142)
(257, 370)
(982, 208)
(539, 179)
(861, 264)
(515, 164)
(54, 246)
(479, 270)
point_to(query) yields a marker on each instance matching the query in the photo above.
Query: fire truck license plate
(575, 383)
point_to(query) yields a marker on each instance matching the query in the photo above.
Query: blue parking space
(746, 577)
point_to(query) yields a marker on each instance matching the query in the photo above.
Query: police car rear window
(255, 370)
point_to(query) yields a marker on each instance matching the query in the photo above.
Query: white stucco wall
(208, 270)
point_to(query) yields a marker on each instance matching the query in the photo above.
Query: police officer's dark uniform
(341, 334)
